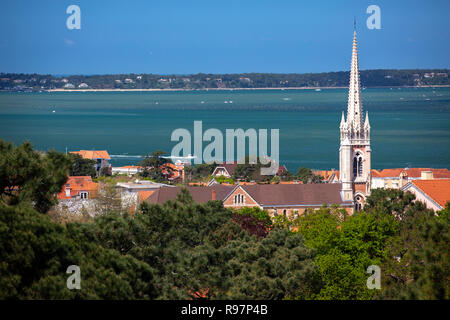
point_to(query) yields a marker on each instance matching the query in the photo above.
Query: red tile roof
(410, 172)
(77, 184)
(143, 195)
(438, 190)
(93, 154)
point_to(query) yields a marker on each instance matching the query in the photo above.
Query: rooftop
(93, 154)
(438, 190)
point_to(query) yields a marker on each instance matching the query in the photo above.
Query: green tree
(306, 175)
(36, 253)
(81, 166)
(27, 175)
(153, 166)
(417, 262)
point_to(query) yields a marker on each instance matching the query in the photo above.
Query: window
(358, 205)
(284, 212)
(357, 165)
(83, 195)
(239, 198)
(360, 167)
(275, 212)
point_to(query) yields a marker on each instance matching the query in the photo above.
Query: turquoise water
(410, 126)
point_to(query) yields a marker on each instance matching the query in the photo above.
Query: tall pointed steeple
(354, 106)
(355, 152)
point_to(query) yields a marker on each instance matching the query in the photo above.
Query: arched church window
(355, 166)
(360, 167)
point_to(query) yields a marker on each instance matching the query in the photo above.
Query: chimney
(426, 175)
(214, 195)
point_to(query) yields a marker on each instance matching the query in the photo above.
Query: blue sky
(224, 36)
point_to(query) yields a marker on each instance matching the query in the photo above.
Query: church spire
(366, 122)
(342, 120)
(354, 107)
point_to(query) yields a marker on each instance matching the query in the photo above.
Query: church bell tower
(354, 151)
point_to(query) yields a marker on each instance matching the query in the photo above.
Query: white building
(132, 193)
(128, 170)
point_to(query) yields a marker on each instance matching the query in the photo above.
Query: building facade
(355, 151)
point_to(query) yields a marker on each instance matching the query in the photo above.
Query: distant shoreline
(229, 89)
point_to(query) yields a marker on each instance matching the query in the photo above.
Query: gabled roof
(295, 194)
(93, 154)
(229, 167)
(263, 194)
(438, 190)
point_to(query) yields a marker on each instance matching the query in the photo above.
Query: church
(349, 191)
(354, 151)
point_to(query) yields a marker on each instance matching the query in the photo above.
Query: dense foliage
(154, 166)
(81, 166)
(186, 250)
(29, 176)
(370, 78)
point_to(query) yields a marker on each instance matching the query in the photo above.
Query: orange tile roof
(130, 167)
(327, 174)
(290, 182)
(144, 194)
(77, 184)
(93, 154)
(438, 190)
(411, 172)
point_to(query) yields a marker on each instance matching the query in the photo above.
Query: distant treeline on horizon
(369, 78)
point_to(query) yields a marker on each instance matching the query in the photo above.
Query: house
(173, 172)
(133, 193)
(434, 193)
(79, 187)
(100, 156)
(289, 200)
(399, 177)
(227, 170)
